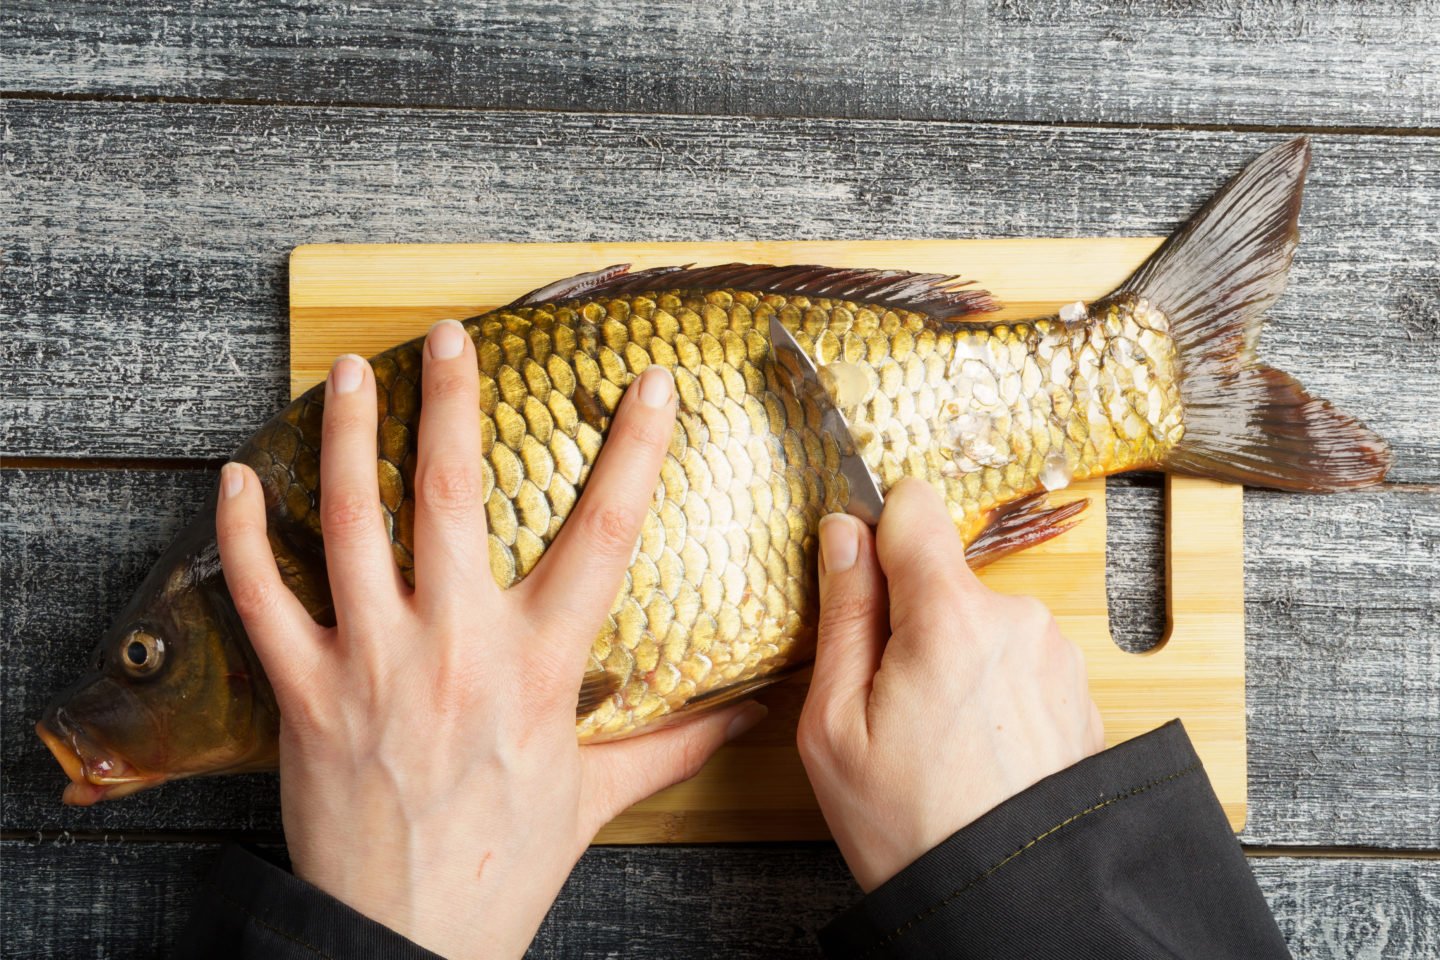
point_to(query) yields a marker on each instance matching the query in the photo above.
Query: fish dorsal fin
(937, 295)
(572, 287)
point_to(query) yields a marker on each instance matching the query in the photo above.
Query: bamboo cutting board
(364, 298)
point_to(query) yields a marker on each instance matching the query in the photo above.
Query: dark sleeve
(250, 908)
(1127, 854)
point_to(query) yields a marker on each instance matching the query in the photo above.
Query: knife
(797, 370)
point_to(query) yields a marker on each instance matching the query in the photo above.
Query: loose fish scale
(721, 586)
(990, 414)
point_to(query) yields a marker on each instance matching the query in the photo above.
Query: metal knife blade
(798, 371)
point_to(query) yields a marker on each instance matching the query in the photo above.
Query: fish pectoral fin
(304, 574)
(1021, 524)
(596, 687)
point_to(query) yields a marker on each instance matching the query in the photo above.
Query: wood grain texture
(1345, 699)
(677, 903)
(148, 259)
(1344, 678)
(1337, 63)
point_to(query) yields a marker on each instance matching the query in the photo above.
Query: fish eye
(142, 653)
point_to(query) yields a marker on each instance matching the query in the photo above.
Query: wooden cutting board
(363, 298)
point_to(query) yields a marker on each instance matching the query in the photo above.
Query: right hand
(934, 698)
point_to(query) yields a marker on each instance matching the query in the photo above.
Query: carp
(721, 598)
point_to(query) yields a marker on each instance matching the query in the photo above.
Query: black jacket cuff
(1125, 854)
(250, 908)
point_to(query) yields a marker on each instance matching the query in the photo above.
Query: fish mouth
(94, 774)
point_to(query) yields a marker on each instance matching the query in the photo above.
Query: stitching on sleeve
(270, 926)
(924, 915)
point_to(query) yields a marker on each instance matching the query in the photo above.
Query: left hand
(430, 775)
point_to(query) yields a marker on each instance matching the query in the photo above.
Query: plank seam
(118, 838)
(177, 464)
(1139, 478)
(1140, 126)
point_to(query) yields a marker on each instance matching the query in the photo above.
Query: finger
(854, 616)
(581, 573)
(280, 629)
(620, 774)
(452, 557)
(357, 547)
(922, 557)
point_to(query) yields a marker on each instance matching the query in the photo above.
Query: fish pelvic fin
(1246, 422)
(1019, 524)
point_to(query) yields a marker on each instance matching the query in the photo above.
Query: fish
(721, 596)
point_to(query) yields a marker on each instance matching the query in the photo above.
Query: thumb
(854, 615)
(920, 550)
(620, 774)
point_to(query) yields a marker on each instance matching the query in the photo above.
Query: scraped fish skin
(722, 589)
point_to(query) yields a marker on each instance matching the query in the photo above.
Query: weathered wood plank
(131, 899)
(1337, 63)
(1343, 666)
(1344, 677)
(147, 266)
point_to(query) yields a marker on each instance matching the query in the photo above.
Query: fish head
(172, 690)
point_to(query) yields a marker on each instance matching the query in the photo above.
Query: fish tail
(1246, 422)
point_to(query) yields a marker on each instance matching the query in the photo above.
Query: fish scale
(721, 589)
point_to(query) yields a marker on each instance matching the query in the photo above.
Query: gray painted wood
(1338, 63)
(1344, 670)
(117, 899)
(148, 260)
(1344, 666)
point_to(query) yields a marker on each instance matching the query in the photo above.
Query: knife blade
(798, 372)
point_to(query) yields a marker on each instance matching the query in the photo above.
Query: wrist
(448, 894)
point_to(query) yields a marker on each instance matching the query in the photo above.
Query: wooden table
(162, 162)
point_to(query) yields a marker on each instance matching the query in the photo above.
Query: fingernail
(447, 339)
(839, 542)
(745, 719)
(232, 480)
(347, 373)
(656, 387)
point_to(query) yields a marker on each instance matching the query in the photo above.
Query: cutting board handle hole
(1136, 570)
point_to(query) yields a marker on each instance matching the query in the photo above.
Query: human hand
(934, 698)
(430, 775)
